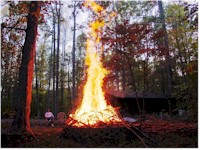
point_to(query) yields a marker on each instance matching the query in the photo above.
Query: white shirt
(48, 115)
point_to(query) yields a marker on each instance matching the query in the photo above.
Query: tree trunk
(10, 87)
(117, 78)
(63, 67)
(123, 74)
(58, 53)
(68, 82)
(144, 86)
(116, 45)
(54, 57)
(21, 122)
(133, 83)
(167, 55)
(73, 56)
(36, 88)
(49, 95)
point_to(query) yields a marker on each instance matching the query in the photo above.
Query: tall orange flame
(93, 109)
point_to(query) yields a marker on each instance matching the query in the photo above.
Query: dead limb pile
(157, 125)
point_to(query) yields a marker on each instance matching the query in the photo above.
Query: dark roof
(125, 94)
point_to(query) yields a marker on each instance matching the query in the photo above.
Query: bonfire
(93, 110)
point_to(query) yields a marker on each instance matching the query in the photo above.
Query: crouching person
(49, 117)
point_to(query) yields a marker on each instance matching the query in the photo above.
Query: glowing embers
(94, 119)
(93, 110)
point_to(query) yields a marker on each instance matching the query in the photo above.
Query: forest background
(149, 47)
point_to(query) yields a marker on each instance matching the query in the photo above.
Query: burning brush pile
(93, 110)
(94, 119)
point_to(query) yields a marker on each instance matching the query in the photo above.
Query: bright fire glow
(93, 109)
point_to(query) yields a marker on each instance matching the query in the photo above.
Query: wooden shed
(148, 102)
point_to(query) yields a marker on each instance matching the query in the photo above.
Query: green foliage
(11, 44)
(80, 58)
(183, 41)
(41, 65)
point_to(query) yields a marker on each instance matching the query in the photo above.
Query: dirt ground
(49, 137)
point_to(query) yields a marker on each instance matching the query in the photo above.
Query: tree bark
(68, 82)
(54, 57)
(73, 56)
(144, 86)
(49, 95)
(123, 74)
(167, 55)
(134, 83)
(63, 68)
(36, 88)
(21, 122)
(58, 53)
